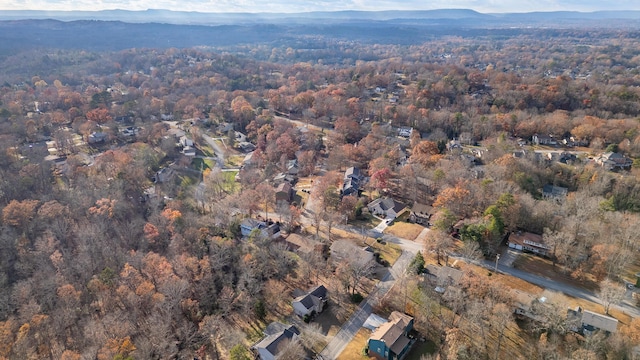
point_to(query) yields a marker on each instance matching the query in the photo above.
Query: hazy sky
(322, 5)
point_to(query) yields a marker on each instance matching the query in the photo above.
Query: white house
(529, 242)
(312, 302)
(386, 207)
(277, 334)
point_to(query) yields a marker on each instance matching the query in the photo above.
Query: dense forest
(118, 243)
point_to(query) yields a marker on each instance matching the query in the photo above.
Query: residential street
(355, 322)
(559, 286)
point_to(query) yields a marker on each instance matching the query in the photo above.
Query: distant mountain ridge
(202, 18)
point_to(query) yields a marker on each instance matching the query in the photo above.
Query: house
(188, 151)
(97, 137)
(248, 159)
(284, 192)
(282, 177)
(350, 187)
(292, 167)
(528, 242)
(614, 161)
(163, 175)
(443, 276)
(552, 192)
(352, 180)
(240, 137)
(249, 225)
(454, 145)
(305, 244)
(390, 341)
(588, 322)
(527, 305)
(420, 214)
(567, 158)
(225, 127)
(246, 146)
(386, 207)
(311, 303)
(277, 335)
(353, 173)
(343, 250)
(405, 132)
(544, 140)
(185, 141)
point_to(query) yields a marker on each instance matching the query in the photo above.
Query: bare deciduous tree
(610, 293)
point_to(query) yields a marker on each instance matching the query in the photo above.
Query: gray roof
(599, 321)
(352, 172)
(387, 203)
(554, 191)
(272, 342)
(422, 209)
(314, 297)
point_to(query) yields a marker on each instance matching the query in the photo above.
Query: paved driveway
(355, 322)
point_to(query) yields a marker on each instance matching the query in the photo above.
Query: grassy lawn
(207, 150)
(353, 351)
(405, 230)
(544, 267)
(230, 185)
(202, 164)
(366, 220)
(389, 252)
(234, 160)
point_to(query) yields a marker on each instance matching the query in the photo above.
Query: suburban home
(292, 167)
(405, 131)
(163, 175)
(443, 276)
(282, 177)
(353, 173)
(552, 192)
(305, 244)
(341, 250)
(97, 137)
(284, 192)
(386, 207)
(544, 140)
(454, 145)
(350, 187)
(526, 305)
(588, 322)
(225, 127)
(246, 146)
(420, 214)
(390, 341)
(567, 158)
(614, 161)
(528, 242)
(277, 335)
(249, 225)
(185, 141)
(311, 303)
(352, 179)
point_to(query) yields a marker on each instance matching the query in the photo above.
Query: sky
(288, 6)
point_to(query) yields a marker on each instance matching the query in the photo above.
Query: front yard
(405, 230)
